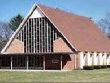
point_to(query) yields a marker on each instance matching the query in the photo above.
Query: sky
(96, 9)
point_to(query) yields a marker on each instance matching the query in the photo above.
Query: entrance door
(52, 62)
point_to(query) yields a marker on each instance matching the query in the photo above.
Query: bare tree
(5, 34)
(5, 31)
(104, 24)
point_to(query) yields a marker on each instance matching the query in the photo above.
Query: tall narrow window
(38, 35)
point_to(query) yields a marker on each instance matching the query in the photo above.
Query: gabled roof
(79, 31)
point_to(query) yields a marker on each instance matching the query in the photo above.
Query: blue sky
(90, 8)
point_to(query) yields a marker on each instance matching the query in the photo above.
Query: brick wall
(15, 47)
(60, 46)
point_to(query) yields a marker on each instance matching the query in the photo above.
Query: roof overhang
(27, 54)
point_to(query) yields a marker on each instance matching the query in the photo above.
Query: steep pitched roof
(80, 31)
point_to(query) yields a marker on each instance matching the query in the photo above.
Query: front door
(52, 62)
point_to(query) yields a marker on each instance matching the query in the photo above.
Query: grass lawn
(101, 75)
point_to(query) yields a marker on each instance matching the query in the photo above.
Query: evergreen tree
(15, 21)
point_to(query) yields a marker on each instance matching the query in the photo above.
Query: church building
(53, 39)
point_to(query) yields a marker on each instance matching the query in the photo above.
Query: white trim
(100, 59)
(81, 60)
(27, 36)
(31, 34)
(27, 63)
(39, 35)
(44, 28)
(47, 36)
(94, 58)
(11, 63)
(23, 39)
(34, 33)
(36, 14)
(84, 58)
(108, 59)
(41, 31)
(50, 37)
(104, 59)
(89, 59)
(36, 50)
(61, 62)
(43, 62)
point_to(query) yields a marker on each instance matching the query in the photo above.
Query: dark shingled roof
(80, 31)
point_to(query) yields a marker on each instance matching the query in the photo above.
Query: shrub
(108, 66)
(88, 67)
(103, 66)
(97, 66)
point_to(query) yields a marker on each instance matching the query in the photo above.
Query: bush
(103, 66)
(108, 66)
(97, 66)
(88, 67)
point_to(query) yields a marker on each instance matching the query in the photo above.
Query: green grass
(101, 75)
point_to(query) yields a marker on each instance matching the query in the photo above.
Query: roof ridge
(61, 10)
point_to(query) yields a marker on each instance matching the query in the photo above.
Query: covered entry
(58, 61)
(41, 61)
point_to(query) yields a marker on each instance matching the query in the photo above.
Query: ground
(101, 75)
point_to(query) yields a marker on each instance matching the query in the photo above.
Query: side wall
(91, 58)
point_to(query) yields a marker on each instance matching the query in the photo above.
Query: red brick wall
(78, 60)
(68, 62)
(59, 45)
(16, 47)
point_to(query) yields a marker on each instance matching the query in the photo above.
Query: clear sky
(90, 8)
